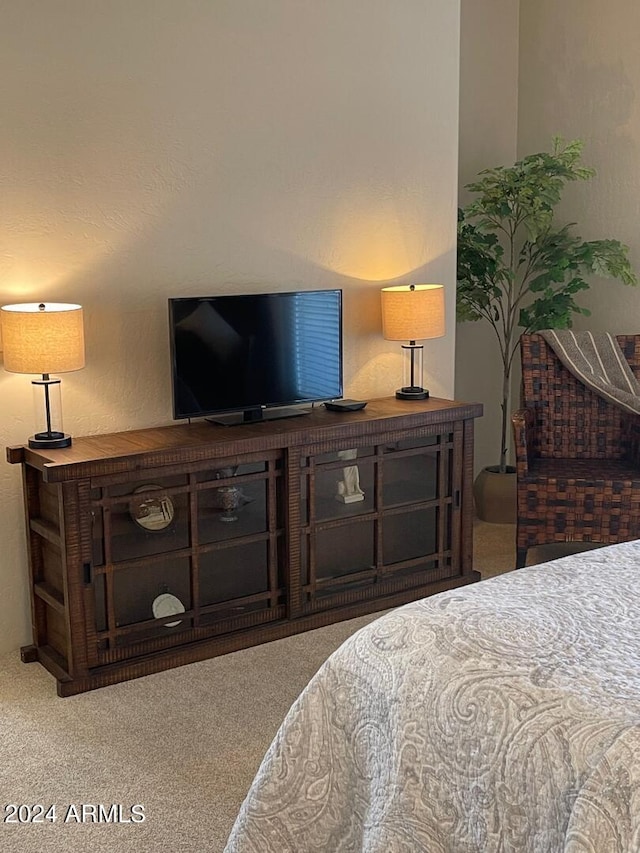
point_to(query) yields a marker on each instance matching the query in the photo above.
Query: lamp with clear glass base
(412, 312)
(44, 338)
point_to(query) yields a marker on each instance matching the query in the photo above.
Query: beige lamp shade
(42, 337)
(413, 312)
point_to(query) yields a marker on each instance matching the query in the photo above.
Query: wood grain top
(146, 448)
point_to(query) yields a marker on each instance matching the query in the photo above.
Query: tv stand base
(252, 416)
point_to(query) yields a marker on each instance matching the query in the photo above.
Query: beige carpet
(185, 744)
(494, 549)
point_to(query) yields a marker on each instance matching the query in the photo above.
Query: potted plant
(519, 271)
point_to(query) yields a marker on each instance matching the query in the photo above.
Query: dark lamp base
(50, 439)
(412, 392)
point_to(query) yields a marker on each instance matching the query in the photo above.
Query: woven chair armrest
(523, 427)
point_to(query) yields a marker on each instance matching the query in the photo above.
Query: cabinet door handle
(87, 569)
(456, 498)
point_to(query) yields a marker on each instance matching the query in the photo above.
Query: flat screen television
(255, 356)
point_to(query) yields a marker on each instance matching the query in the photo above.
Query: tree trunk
(506, 380)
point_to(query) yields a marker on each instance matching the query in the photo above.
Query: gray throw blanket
(595, 358)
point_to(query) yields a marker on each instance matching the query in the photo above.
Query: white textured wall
(158, 148)
(488, 134)
(580, 78)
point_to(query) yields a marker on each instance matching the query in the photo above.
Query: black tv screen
(251, 352)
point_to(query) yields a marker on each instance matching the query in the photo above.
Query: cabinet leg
(28, 654)
(521, 557)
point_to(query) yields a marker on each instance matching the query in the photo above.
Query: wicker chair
(577, 456)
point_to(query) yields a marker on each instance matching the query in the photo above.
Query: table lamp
(412, 312)
(44, 338)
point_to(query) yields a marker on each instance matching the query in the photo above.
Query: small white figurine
(349, 490)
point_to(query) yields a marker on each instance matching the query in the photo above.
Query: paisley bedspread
(502, 717)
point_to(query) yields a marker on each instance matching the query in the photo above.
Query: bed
(504, 716)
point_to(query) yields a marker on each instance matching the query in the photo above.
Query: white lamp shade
(413, 312)
(42, 337)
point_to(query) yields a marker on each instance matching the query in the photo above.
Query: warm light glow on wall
(365, 235)
(375, 242)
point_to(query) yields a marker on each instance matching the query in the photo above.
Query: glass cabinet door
(378, 517)
(416, 493)
(176, 556)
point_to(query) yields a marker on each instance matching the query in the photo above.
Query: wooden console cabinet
(259, 531)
